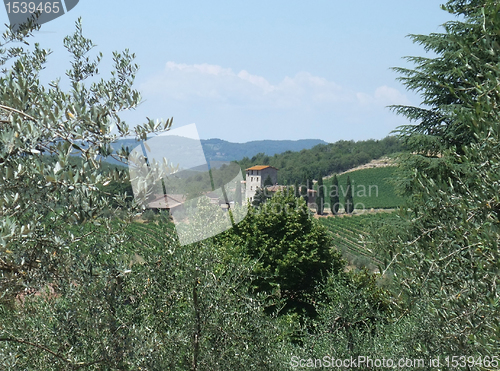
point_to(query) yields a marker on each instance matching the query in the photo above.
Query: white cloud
(383, 96)
(204, 68)
(304, 103)
(216, 83)
(213, 82)
(257, 81)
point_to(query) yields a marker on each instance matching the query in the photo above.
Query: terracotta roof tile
(260, 167)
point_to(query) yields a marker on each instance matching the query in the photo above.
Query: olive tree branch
(10, 109)
(45, 349)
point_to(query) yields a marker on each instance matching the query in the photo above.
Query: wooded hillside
(324, 158)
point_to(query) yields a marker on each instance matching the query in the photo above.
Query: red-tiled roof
(260, 167)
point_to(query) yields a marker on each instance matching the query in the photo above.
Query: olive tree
(52, 143)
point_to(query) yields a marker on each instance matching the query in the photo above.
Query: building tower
(256, 176)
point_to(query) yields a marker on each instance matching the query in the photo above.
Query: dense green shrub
(293, 250)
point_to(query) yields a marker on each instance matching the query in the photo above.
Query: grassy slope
(350, 234)
(372, 188)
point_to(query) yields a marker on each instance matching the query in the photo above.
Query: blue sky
(259, 70)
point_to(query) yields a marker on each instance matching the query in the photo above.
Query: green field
(372, 188)
(350, 235)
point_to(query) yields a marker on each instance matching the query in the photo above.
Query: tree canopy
(293, 249)
(324, 158)
(448, 259)
(53, 203)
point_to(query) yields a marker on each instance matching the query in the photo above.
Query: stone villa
(256, 176)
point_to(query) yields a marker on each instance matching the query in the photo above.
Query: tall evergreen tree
(268, 181)
(260, 197)
(448, 257)
(349, 202)
(304, 194)
(320, 199)
(334, 195)
(309, 180)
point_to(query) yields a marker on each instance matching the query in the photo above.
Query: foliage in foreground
(42, 128)
(447, 255)
(144, 301)
(79, 292)
(293, 250)
(144, 304)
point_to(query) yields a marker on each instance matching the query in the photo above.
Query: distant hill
(218, 149)
(221, 150)
(296, 160)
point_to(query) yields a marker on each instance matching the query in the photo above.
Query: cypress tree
(320, 199)
(349, 202)
(268, 181)
(303, 192)
(334, 195)
(259, 198)
(309, 181)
